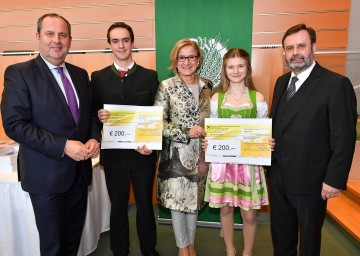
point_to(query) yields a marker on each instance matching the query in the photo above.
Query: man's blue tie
(70, 94)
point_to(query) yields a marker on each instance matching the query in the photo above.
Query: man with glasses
(127, 83)
(314, 126)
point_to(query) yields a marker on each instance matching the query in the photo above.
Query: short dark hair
(298, 28)
(120, 25)
(41, 19)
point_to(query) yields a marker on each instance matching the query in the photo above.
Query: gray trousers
(184, 226)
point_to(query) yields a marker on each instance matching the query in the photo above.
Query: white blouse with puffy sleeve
(261, 107)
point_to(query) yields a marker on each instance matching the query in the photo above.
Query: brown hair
(54, 15)
(175, 51)
(297, 28)
(232, 53)
(120, 25)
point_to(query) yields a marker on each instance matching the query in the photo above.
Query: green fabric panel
(217, 26)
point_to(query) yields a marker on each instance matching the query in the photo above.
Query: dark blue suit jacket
(36, 115)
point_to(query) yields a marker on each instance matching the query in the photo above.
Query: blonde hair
(224, 80)
(177, 47)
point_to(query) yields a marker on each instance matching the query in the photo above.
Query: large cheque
(237, 140)
(129, 127)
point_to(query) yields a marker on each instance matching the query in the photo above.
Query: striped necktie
(291, 90)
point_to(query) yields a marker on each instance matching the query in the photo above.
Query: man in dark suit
(127, 83)
(314, 126)
(57, 133)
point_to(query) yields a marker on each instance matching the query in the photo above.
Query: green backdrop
(217, 26)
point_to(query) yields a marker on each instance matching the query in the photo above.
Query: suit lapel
(49, 80)
(303, 93)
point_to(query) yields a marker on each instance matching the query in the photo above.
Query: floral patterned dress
(180, 180)
(237, 185)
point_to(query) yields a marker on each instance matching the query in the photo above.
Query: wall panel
(267, 63)
(325, 39)
(42, 4)
(89, 19)
(80, 14)
(284, 6)
(269, 23)
(330, 19)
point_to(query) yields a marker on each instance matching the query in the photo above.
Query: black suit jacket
(36, 115)
(317, 138)
(138, 88)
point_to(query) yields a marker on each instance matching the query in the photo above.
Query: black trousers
(291, 214)
(118, 184)
(60, 218)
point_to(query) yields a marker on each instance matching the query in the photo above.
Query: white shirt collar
(124, 69)
(51, 66)
(303, 75)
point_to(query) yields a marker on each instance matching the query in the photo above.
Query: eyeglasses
(299, 47)
(190, 58)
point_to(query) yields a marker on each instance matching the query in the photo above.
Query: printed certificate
(237, 140)
(129, 127)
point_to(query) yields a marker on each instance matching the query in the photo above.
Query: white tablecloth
(18, 232)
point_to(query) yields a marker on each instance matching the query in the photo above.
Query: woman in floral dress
(181, 180)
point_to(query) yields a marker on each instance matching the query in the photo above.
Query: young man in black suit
(46, 108)
(314, 126)
(127, 83)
